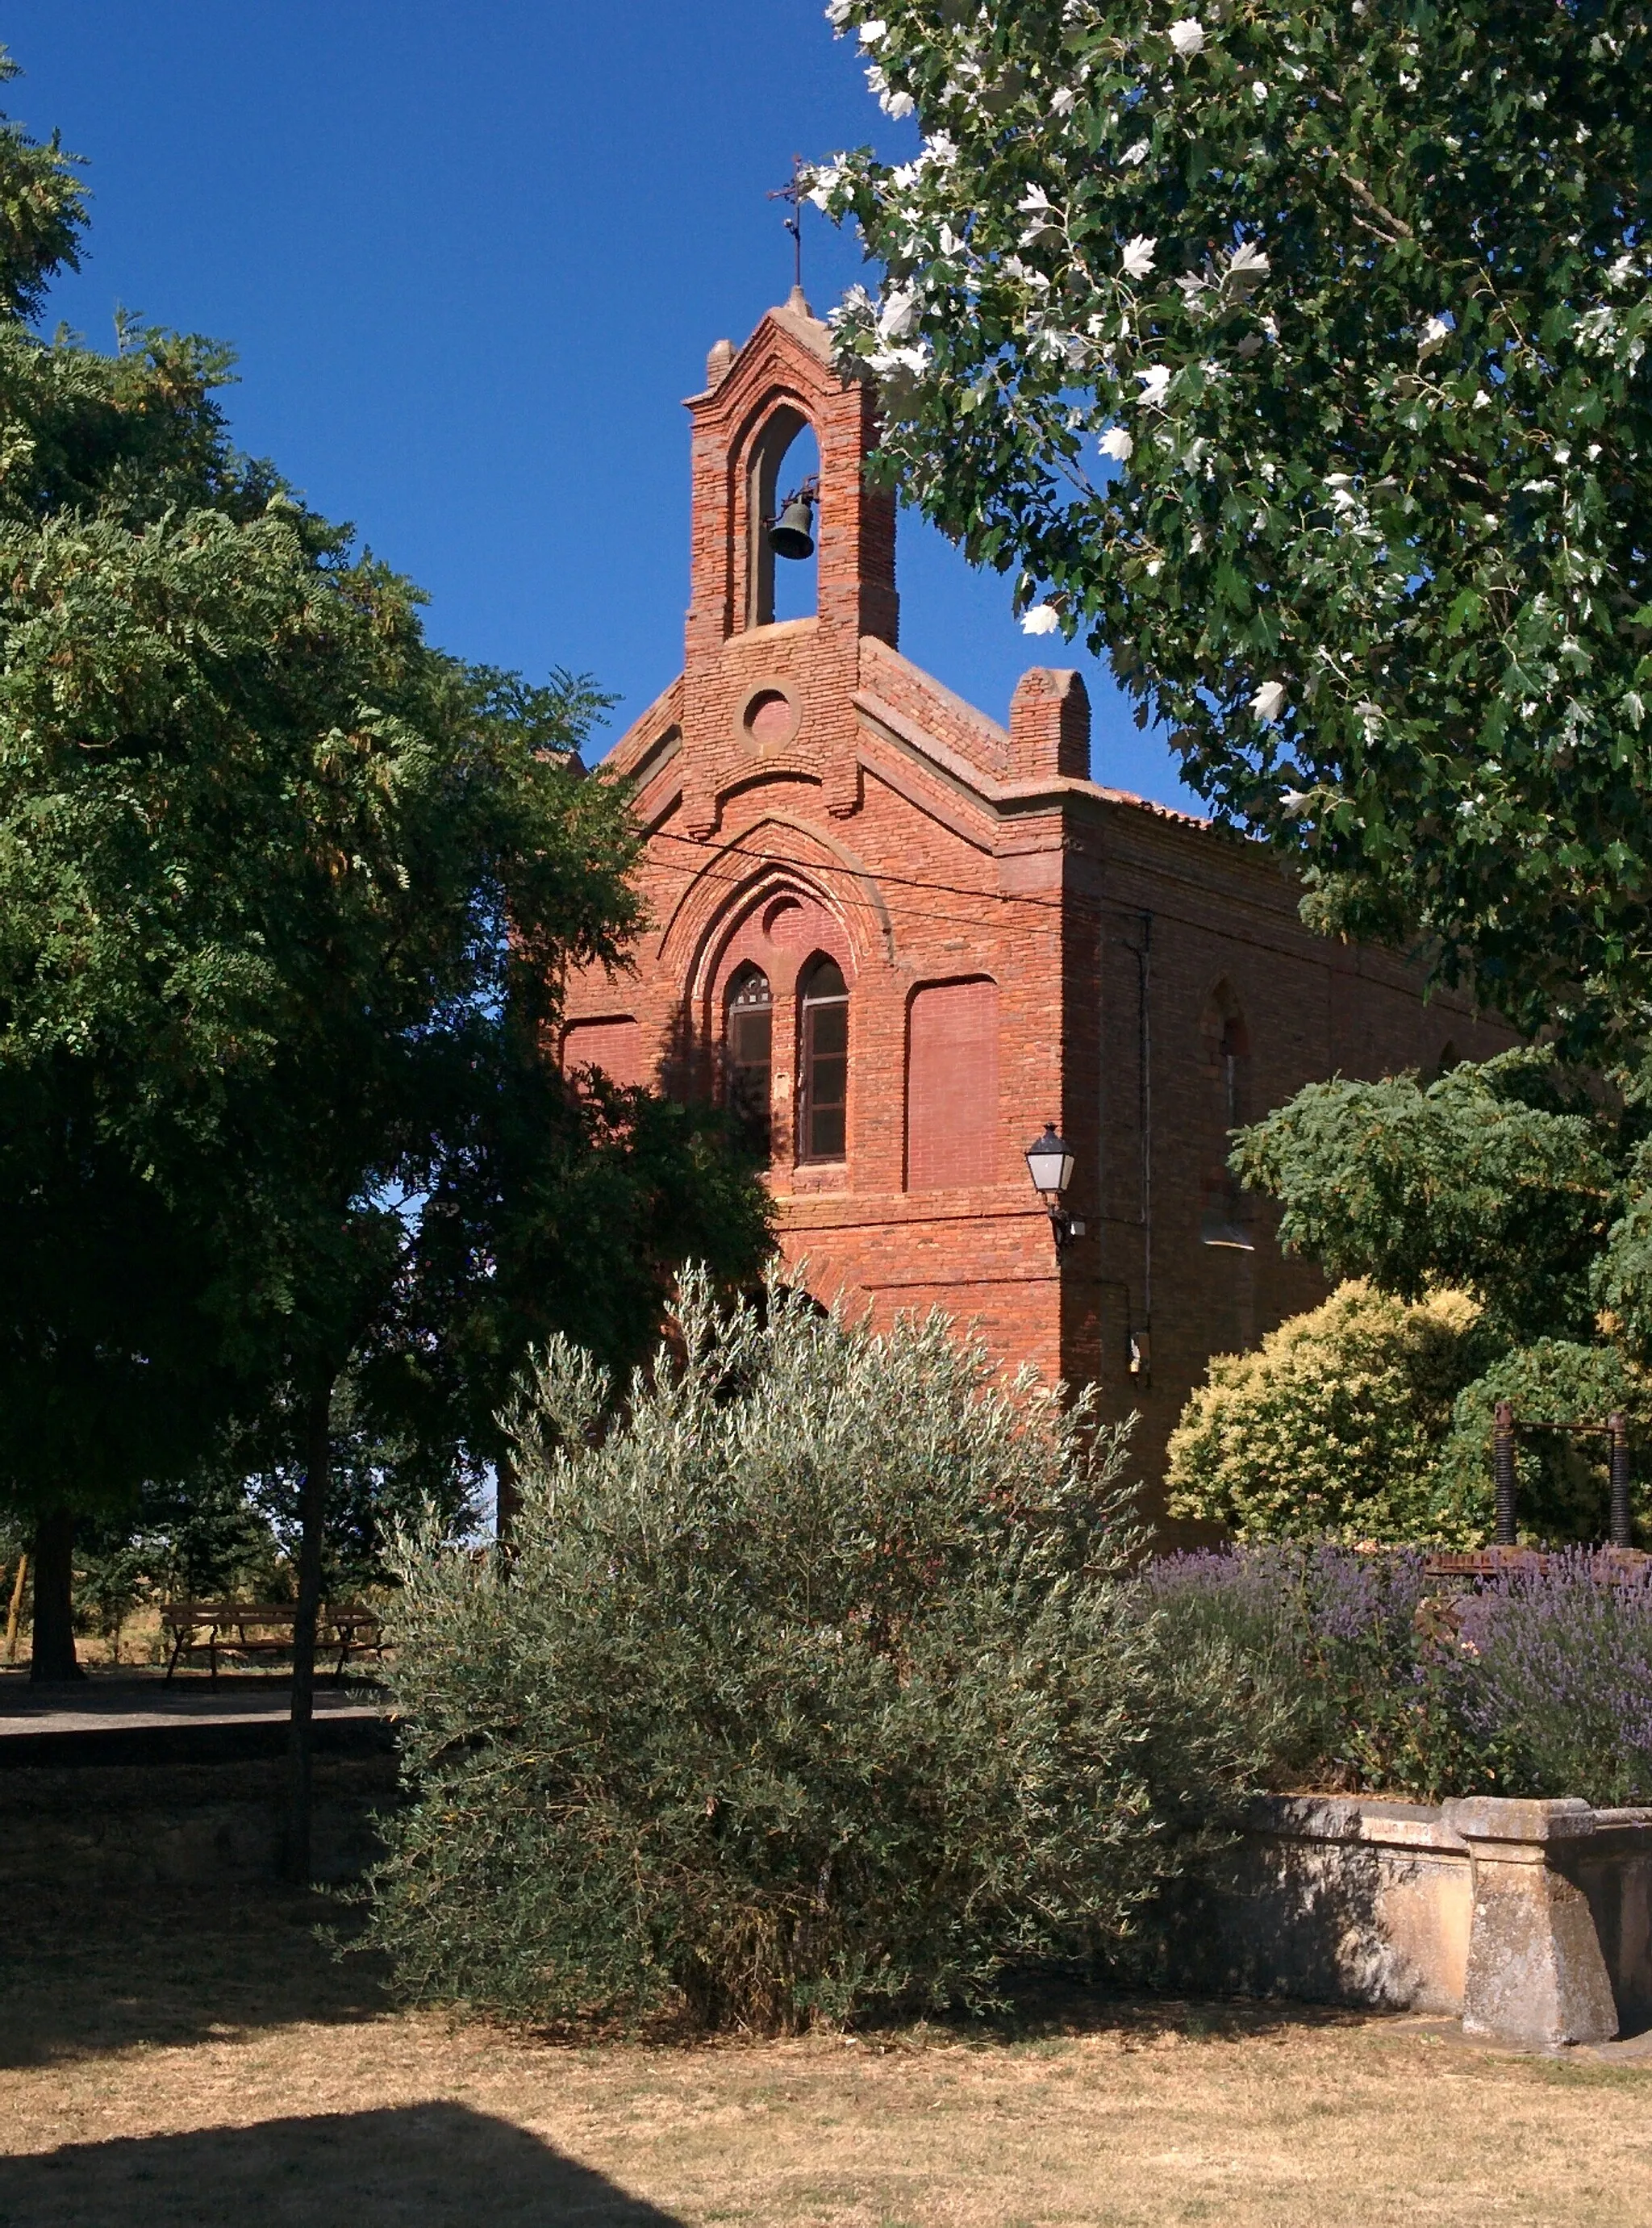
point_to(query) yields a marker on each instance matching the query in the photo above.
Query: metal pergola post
(1621, 1533)
(1503, 1469)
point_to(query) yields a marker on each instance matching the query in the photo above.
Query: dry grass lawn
(201, 2059)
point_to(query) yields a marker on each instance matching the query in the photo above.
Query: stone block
(1530, 1921)
(1536, 1976)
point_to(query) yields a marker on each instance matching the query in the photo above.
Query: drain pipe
(1141, 1337)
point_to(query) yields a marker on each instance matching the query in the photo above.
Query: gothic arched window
(748, 1049)
(822, 1062)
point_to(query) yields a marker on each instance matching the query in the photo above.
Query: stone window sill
(821, 1175)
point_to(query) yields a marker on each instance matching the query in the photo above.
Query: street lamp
(1049, 1163)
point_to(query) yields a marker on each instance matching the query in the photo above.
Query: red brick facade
(1019, 943)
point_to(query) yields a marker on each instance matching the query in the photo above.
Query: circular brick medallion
(770, 718)
(785, 923)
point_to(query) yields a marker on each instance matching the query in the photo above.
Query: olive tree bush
(814, 1675)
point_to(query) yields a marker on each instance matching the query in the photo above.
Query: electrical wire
(877, 874)
(1084, 903)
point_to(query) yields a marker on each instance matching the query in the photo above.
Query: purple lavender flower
(1539, 1683)
(1560, 1677)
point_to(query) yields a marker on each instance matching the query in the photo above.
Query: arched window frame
(748, 1054)
(822, 1062)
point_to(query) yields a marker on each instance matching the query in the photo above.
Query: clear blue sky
(472, 257)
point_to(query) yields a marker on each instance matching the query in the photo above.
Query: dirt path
(198, 2058)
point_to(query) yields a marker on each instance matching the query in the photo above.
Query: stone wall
(1531, 1921)
(133, 1826)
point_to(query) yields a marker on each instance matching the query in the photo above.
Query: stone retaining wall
(124, 1826)
(1532, 1921)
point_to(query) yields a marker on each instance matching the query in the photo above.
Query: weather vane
(792, 195)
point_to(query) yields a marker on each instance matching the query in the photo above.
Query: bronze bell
(792, 534)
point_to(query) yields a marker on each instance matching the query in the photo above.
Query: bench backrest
(245, 1613)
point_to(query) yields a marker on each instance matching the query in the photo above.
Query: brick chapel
(897, 939)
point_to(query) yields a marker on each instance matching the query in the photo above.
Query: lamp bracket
(1065, 1228)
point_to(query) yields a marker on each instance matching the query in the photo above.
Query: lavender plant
(1557, 1678)
(1348, 1653)
(1387, 1681)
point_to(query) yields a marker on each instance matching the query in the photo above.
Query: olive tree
(815, 1676)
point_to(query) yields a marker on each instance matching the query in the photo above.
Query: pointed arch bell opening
(784, 455)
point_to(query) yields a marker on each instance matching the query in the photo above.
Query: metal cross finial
(792, 195)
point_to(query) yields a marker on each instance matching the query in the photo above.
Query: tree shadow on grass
(1043, 2009)
(424, 2165)
(87, 1974)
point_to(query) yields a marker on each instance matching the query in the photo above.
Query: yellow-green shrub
(1334, 1426)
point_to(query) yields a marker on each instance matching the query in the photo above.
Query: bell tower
(767, 699)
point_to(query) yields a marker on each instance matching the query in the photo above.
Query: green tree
(1562, 1478)
(286, 897)
(107, 1367)
(1295, 354)
(1507, 1181)
(1494, 1179)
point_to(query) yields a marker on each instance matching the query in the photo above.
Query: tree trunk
(312, 1517)
(54, 1651)
(14, 1615)
(508, 1506)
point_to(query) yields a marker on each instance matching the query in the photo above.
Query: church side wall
(1228, 972)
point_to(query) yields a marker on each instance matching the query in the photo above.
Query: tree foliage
(43, 212)
(1562, 1391)
(286, 899)
(1525, 1186)
(814, 1678)
(1508, 1180)
(1295, 354)
(1369, 1419)
(1493, 1179)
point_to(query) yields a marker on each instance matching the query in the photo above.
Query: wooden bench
(1529, 1562)
(265, 1628)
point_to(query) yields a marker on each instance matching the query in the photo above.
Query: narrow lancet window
(749, 1055)
(823, 1065)
(1226, 1219)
